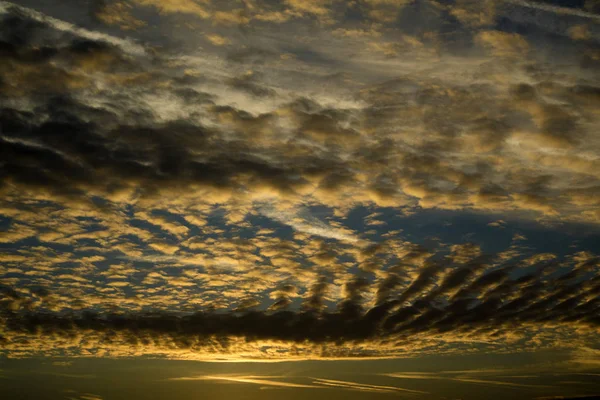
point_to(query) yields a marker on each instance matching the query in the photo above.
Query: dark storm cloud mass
(191, 194)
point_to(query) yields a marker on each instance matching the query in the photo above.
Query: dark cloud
(252, 56)
(66, 145)
(283, 297)
(91, 123)
(247, 83)
(66, 152)
(315, 300)
(496, 300)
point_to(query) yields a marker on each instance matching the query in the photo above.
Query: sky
(337, 199)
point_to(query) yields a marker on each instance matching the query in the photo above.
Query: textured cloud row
(462, 297)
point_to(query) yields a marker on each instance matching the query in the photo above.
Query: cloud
(304, 222)
(301, 149)
(118, 13)
(75, 395)
(62, 363)
(206, 193)
(177, 6)
(503, 44)
(218, 40)
(256, 380)
(446, 300)
(364, 387)
(538, 5)
(496, 383)
(316, 383)
(470, 376)
(127, 45)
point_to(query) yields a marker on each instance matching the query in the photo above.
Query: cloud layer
(183, 178)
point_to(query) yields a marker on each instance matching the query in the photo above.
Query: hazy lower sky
(260, 199)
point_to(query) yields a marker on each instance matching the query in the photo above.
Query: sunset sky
(324, 199)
